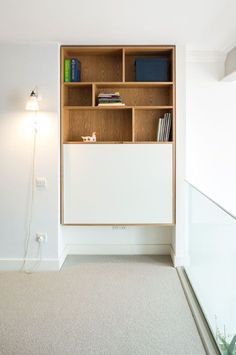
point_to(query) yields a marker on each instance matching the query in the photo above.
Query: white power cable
(30, 217)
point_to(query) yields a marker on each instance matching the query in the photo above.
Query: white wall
(211, 127)
(22, 66)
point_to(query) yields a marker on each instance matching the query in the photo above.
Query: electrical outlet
(41, 237)
(119, 227)
(41, 182)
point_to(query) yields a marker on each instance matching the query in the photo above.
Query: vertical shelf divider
(123, 65)
(93, 95)
(133, 124)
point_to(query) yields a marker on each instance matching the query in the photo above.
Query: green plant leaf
(232, 345)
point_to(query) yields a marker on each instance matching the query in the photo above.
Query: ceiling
(201, 24)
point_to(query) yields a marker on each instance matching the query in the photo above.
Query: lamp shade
(32, 103)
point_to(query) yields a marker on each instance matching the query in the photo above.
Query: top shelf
(108, 50)
(104, 64)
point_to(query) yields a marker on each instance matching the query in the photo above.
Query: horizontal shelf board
(152, 107)
(144, 47)
(117, 107)
(151, 142)
(118, 224)
(97, 108)
(134, 84)
(121, 84)
(116, 142)
(81, 83)
(147, 83)
(108, 142)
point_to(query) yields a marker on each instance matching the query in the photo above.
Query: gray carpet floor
(97, 306)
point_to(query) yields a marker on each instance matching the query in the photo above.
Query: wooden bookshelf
(111, 69)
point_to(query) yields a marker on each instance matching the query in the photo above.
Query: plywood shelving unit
(111, 69)
(118, 130)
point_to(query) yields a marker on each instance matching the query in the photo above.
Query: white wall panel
(111, 184)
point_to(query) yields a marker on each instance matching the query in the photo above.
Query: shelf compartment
(97, 63)
(140, 95)
(132, 53)
(78, 95)
(109, 125)
(146, 124)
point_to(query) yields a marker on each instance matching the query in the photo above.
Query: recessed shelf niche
(126, 146)
(112, 69)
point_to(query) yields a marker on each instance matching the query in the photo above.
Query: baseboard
(177, 260)
(118, 249)
(88, 249)
(16, 264)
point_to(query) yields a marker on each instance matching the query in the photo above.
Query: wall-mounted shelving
(112, 69)
(97, 173)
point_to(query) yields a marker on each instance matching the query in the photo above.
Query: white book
(159, 129)
(167, 127)
(167, 123)
(163, 130)
(109, 94)
(164, 127)
(112, 104)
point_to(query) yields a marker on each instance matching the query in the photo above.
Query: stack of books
(110, 99)
(72, 70)
(164, 128)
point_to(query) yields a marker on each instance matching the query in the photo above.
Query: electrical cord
(30, 217)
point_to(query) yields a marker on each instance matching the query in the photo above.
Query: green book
(67, 70)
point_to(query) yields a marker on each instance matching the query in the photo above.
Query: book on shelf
(71, 70)
(67, 70)
(113, 94)
(110, 99)
(111, 104)
(107, 101)
(159, 130)
(164, 128)
(75, 70)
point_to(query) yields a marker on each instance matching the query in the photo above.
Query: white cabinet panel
(117, 183)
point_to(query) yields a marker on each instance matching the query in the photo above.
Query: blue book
(152, 69)
(75, 70)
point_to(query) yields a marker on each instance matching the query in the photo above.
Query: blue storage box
(152, 69)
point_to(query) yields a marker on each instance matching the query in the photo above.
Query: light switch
(41, 182)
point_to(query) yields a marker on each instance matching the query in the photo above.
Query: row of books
(72, 70)
(164, 128)
(110, 99)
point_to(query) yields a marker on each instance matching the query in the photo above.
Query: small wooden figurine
(89, 138)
